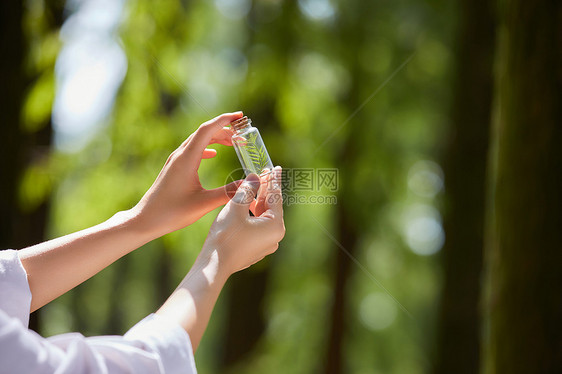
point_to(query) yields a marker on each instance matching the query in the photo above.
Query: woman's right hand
(241, 240)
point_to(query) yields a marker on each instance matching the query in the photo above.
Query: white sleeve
(15, 296)
(152, 346)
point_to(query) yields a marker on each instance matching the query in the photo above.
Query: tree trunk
(347, 234)
(525, 250)
(245, 320)
(20, 148)
(11, 97)
(349, 220)
(464, 163)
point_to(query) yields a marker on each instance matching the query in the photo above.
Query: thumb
(245, 194)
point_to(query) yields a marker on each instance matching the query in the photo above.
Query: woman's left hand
(177, 199)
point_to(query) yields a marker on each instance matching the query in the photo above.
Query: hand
(177, 199)
(241, 240)
(235, 242)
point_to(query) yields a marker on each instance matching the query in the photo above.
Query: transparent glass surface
(251, 151)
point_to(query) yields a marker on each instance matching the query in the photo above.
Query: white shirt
(152, 346)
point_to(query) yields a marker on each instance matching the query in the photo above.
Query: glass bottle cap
(240, 123)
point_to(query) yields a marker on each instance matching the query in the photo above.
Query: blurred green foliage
(314, 76)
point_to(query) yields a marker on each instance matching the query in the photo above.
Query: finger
(221, 195)
(245, 194)
(203, 135)
(222, 136)
(262, 193)
(209, 153)
(274, 199)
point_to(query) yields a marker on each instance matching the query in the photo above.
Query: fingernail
(252, 177)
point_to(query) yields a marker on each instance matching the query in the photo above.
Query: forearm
(56, 266)
(192, 303)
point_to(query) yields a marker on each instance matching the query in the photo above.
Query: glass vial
(249, 147)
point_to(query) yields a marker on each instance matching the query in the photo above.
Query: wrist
(212, 263)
